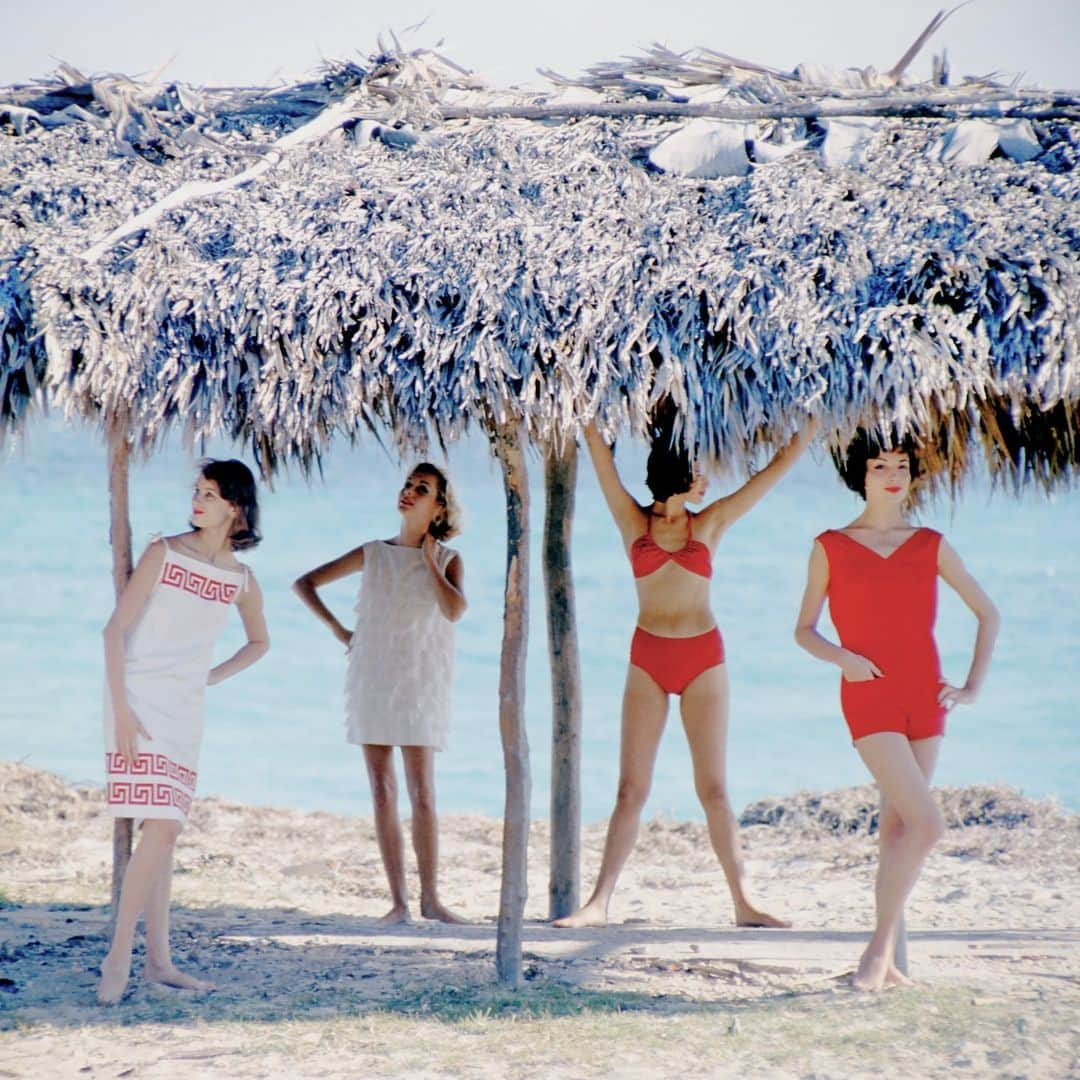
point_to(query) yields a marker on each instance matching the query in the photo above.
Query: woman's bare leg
(911, 825)
(420, 780)
(150, 862)
(159, 967)
(704, 706)
(644, 713)
(380, 768)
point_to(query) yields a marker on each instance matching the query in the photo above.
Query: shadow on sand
(273, 965)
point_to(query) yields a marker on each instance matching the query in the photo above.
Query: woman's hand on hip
(950, 695)
(857, 668)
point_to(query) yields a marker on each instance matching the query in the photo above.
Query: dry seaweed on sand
(856, 810)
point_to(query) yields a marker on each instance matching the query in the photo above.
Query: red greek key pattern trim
(145, 793)
(206, 588)
(150, 765)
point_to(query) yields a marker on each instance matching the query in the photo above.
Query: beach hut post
(560, 478)
(507, 445)
(120, 543)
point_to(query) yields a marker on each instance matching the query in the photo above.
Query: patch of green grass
(534, 1001)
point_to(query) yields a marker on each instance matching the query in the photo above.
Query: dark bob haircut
(237, 486)
(851, 464)
(668, 470)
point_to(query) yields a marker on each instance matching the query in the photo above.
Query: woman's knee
(933, 827)
(422, 798)
(383, 788)
(162, 832)
(926, 826)
(632, 794)
(890, 826)
(712, 793)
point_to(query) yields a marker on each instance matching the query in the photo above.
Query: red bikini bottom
(674, 663)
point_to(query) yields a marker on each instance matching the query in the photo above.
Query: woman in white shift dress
(158, 651)
(400, 665)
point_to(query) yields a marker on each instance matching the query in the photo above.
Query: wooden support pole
(120, 542)
(515, 743)
(564, 881)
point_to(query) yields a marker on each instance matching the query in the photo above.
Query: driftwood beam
(560, 476)
(329, 120)
(937, 107)
(120, 542)
(515, 743)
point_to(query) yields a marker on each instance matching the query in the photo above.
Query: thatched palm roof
(430, 274)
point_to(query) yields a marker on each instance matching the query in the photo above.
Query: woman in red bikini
(880, 577)
(676, 649)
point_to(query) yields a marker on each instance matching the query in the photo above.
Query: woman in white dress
(400, 666)
(158, 651)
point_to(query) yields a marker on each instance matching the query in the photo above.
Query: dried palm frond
(458, 273)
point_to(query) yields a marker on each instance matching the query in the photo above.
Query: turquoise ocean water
(275, 734)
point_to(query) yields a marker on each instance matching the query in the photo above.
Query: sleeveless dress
(401, 661)
(167, 655)
(884, 608)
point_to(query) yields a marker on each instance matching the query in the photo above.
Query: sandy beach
(278, 907)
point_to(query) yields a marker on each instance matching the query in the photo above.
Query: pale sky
(225, 42)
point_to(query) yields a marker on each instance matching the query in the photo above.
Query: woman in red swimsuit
(880, 577)
(676, 649)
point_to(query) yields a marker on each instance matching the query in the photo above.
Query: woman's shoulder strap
(932, 539)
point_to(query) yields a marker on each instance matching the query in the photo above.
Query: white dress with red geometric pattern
(167, 655)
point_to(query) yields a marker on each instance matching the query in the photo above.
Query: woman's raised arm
(723, 512)
(624, 509)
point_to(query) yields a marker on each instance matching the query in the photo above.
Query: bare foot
(592, 914)
(872, 971)
(433, 909)
(750, 916)
(114, 980)
(399, 913)
(169, 975)
(895, 977)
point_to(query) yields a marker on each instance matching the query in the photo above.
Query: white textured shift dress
(167, 655)
(401, 660)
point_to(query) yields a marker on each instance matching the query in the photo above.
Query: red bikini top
(647, 556)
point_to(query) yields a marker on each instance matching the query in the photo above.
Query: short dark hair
(237, 486)
(864, 447)
(668, 470)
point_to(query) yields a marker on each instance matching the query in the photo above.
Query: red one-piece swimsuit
(884, 609)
